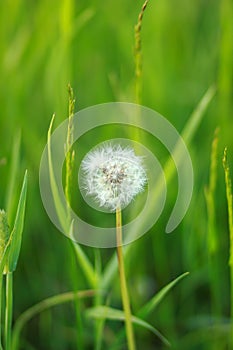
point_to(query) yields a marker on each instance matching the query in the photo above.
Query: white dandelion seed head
(113, 175)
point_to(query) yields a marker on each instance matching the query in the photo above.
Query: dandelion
(113, 175)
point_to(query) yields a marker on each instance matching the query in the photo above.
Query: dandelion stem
(123, 285)
(9, 307)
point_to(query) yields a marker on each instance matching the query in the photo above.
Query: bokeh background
(187, 47)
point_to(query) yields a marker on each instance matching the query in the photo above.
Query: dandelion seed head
(113, 175)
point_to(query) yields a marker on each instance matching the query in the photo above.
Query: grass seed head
(4, 232)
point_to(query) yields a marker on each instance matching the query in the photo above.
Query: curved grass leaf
(153, 303)
(42, 306)
(59, 208)
(105, 312)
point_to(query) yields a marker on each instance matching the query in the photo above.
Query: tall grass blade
(86, 266)
(197, 115)
(213, 242)
(18, 228)
(61, 213)
(210, 200)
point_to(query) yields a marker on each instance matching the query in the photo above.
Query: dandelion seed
(113, 175)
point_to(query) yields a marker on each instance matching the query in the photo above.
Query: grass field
(187, 50)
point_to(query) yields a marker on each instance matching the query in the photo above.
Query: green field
(186, 76)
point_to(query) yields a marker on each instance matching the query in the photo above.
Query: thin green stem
(77, 304)
(9, 310)
(98, 301)
(123, 284)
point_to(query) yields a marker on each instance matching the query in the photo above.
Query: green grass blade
(42, 306)
(210, 200)
(61, 213)
(229, 202)
(197, 115)
(86, 265)
(18, 228)
(82, 20)
(153, 303)
(213, 237)
(105, 312)
(190, 130)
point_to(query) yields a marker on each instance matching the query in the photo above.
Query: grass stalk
(213, 243)
(123, 284)
(230, 223)
(69, 142)
(138, 55)
(8, 310)
(68, 183)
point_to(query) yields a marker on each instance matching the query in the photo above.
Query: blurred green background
(187, 47)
